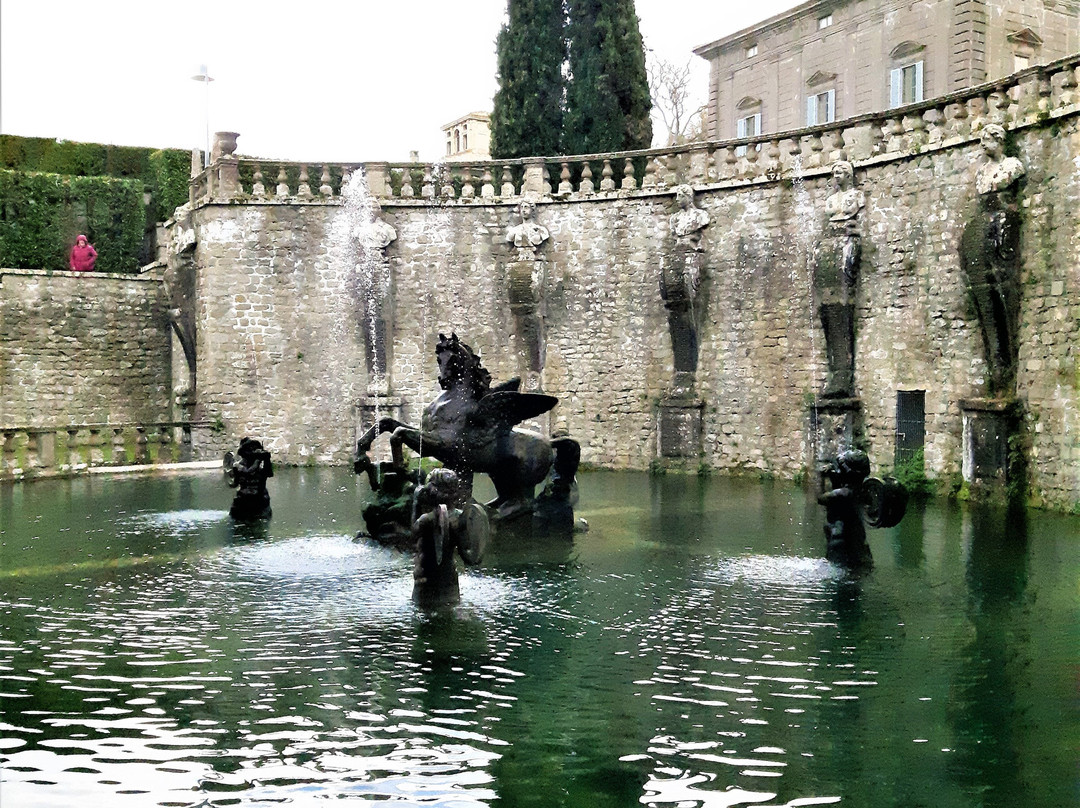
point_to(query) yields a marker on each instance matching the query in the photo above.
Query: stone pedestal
(524, 280)
(835, 425)
(988, 425)
(680, 430)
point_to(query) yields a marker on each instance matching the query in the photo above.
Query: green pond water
(691, 649)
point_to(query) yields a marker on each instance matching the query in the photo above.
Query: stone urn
(224, 144)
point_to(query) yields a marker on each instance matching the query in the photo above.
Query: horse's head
(458, 365)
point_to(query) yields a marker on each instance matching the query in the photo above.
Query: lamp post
(204, 77)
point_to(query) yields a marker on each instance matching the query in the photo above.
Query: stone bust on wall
(375, 233)
(688, 222)
(528, 233)
(845, 202)
(998, 172)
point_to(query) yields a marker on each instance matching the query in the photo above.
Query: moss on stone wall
(40, 215)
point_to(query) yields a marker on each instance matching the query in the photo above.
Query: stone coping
(142, 277)
(196, 465)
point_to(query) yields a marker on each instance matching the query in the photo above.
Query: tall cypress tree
(607, 93)
(528, 112)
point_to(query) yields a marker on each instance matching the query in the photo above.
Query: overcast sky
(338, 80)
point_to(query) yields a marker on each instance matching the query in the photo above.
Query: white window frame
(896, 84)
(812, 102)
(741, 130)
(824, 22)
(751, 51)
(1018, 58)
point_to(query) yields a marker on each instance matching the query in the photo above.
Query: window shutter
(740, 127)
(896, 86)
(831, 103)
(757, 123)
(811, 110)
(918, 81)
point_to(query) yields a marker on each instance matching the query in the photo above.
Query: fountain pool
(692, 649)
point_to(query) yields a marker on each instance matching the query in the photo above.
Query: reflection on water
(691, 649)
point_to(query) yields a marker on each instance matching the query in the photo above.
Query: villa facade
(827, 60)
(468, 137)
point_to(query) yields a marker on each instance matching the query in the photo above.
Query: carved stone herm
(449, 524)
(248, 472)
(837, 256)
(688, 222)
(853, 495)
(375, 234)
(989, 254)
(527, 233)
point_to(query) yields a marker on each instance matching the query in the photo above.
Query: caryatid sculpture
(836, 273)
(680, 279)
(373, 236)
(525, 277)
(989, 254)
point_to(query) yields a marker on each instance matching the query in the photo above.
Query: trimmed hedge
(164, 172)
(41, 213)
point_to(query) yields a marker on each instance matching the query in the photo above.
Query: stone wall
(282, 346)
(83, 348)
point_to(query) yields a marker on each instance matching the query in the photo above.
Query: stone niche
(988, 424)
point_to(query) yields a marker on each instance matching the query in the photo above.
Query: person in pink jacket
(83, 255)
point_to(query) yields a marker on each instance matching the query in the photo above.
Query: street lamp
(204, 77)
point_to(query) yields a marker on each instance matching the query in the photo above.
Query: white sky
(334, 80)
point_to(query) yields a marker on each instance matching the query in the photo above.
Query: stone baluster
(258, 187)
(773, 166)
(507, 189)
(142, 454)
(427, 190)
(607, 183)
(8, 458)
(282, 183)
(487, 190)
(649, 183)
(303, 189)
(699, 166)
(629, 180)
(875, 137)
(545, 175)
(750, 159)
(468, 190)
(118, 455)
(977, 109)
(914, 131)
(999, 106)
(407, 190)
(565, 187)
(33, 450)
(95, 454)
(839, 144)
(324, 182)
(731, 163)
(164, 452)
(1069, 84)
(585, 187)
(1044, 90)
(894, 134)
(934, 125)
(73, 458)
(447, 191)
(671, 170)
(957, 124)
(794, 153)
(346, 175)
(815, 159)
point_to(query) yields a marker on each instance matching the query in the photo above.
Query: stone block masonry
(82, 348)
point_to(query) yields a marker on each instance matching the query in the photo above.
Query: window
(906, 84)
(1020, 62)
(747, 127)
(457, 140)
(824, 22)
(821, 108)
(465, 142)
(449, 150)
(751, 52)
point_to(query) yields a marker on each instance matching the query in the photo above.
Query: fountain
(248, 475)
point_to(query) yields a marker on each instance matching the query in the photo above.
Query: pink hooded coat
(83, 255)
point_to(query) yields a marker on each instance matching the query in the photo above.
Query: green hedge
(41, 213)
(164, 172)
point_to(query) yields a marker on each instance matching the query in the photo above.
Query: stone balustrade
(1024, 98)
(42, 451)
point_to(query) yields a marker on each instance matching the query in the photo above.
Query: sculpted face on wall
(998, 172)
(688, 222)
(528, 233)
